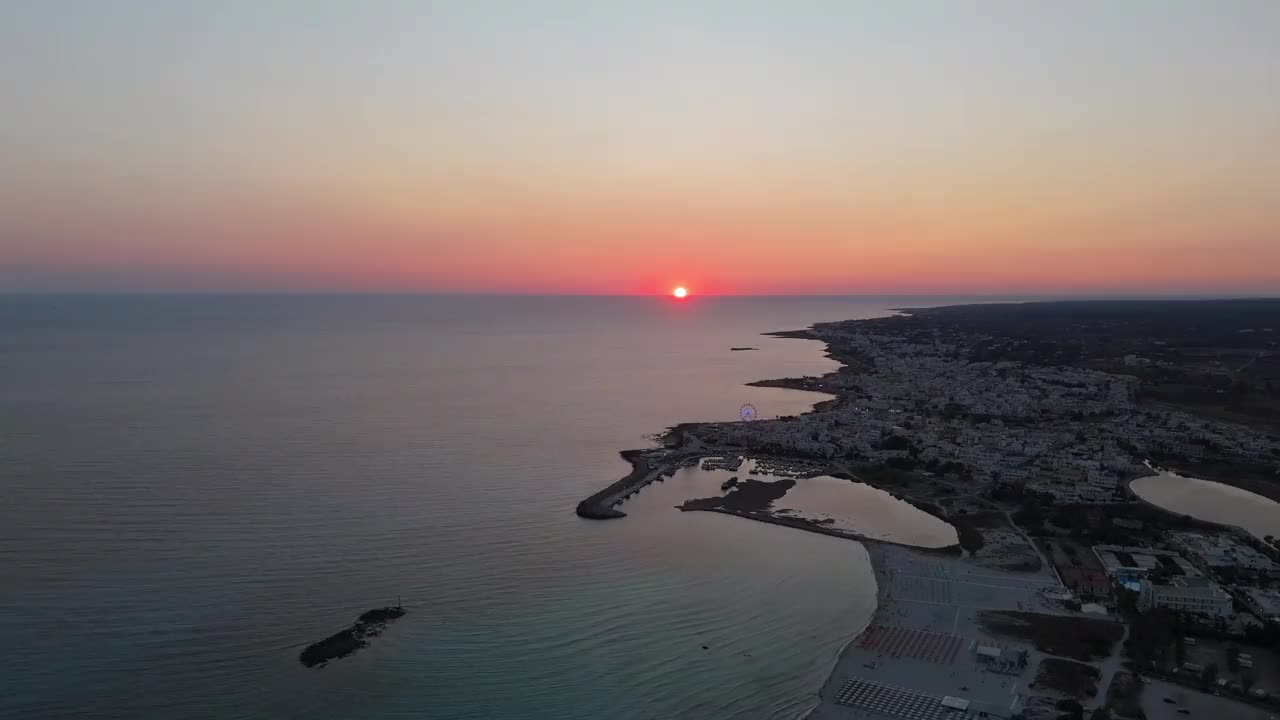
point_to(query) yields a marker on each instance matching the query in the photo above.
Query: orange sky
(733, 148)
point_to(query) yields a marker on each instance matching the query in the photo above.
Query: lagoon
(1211, 501)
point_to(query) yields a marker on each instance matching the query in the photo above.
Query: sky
(734, 147)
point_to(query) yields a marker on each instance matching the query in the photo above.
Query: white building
(1200, 596)
(1224, 551)
(1132, 563)
(1265, 603)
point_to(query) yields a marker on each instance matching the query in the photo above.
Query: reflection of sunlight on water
(853, 506)
(1211, 501)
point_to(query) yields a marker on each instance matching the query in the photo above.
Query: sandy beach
(919, 646)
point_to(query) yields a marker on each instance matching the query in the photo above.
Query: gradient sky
(611, 147)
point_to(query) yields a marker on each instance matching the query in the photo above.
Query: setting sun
(680, 293)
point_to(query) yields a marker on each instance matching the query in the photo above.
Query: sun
(680, 293)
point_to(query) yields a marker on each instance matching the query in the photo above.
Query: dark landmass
(1083, 639)
(1071, 678)
(1185, 363)
(750, 496)
(345, 642)
(1212, 357)
(806, 383)
(1022, 426)
(987, 416)
(754, 499)
(740, 349)
(1124, 696)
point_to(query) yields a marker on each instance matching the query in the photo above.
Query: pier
(644, 470)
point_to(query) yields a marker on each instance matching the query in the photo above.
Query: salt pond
(1211, 501)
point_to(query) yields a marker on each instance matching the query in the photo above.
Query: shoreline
(876, 555)
(601, 505)
(808, 525)
(1237, 530)
(944, 596)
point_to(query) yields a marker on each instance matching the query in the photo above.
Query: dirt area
(1079, 638)
(1007, 549)
(1077, 566)
(983, 529)
(1152, 641)
(1043, 707)
(973, 526)
(751, 496)
(1124, 696)
(1067, 677)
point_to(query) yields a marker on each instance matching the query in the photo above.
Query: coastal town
(1065, 595)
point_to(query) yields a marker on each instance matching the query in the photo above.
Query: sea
(196, 487)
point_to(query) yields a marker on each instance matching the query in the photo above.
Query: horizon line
(693, 296)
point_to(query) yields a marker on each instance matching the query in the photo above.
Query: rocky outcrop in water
(345, 642)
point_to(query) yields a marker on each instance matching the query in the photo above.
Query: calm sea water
(197, 487)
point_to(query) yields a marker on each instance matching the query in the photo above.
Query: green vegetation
(1075, 679)
(1083, 639)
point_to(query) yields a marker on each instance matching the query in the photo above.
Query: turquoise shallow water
(197, 487)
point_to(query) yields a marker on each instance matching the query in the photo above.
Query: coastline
(953, 599)
(808, 525)
(877, 555)
(601, 505)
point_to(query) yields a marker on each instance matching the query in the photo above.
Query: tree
(1209, 674)
(1072, 710)
(1233, 658)
(1127, 602)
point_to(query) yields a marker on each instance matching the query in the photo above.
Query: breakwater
(600, 506)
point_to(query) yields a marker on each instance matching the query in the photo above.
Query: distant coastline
(1088, 397)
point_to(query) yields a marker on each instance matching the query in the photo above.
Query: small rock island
(345, 642)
